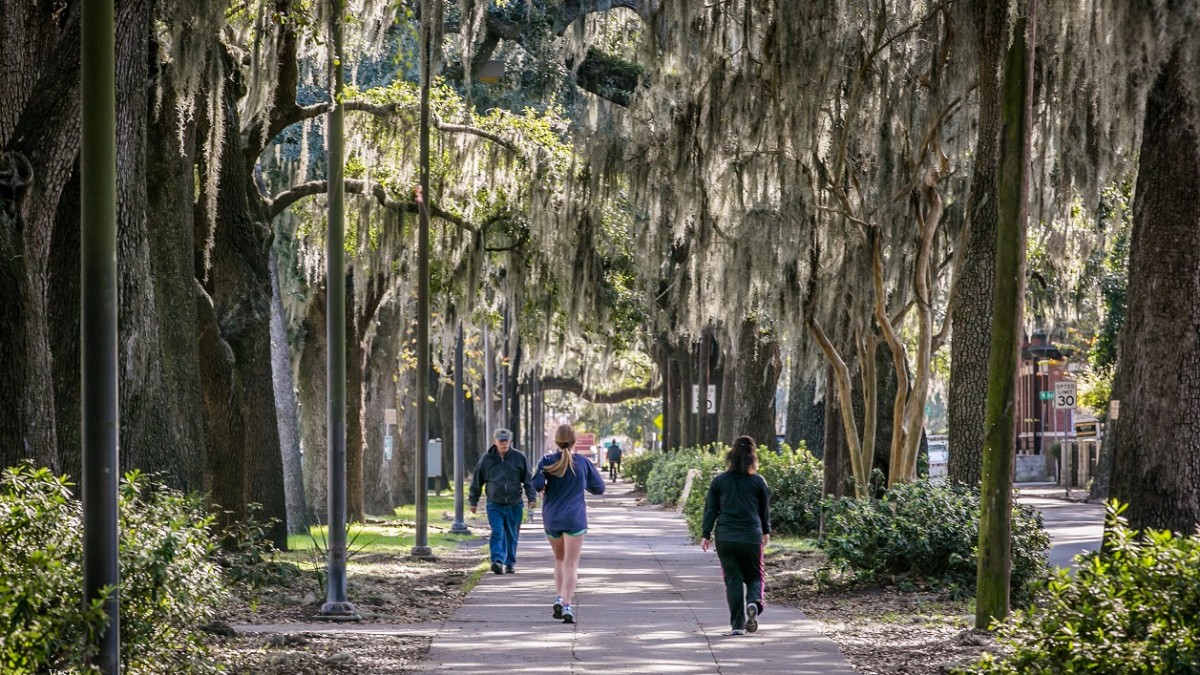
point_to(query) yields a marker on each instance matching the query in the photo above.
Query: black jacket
(739, 506)
(506, 478)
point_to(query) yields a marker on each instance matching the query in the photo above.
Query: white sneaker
(751, 617)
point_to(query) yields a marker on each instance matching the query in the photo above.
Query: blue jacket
(505, 478)
(563, 508)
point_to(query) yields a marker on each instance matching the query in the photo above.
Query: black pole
(505, 375)
(489, 381)
(98, 327)
(421, 547)
(336, 606)
(460, 441)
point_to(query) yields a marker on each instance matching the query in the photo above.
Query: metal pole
(489, 377)
(336, 606)
(460, 431)
(421, 547)
(98, 327)
(505, 374)
(702, 408)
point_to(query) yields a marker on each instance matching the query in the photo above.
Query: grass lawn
(792, 543)
(393, 533)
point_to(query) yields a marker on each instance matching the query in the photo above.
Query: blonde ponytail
(564, 438)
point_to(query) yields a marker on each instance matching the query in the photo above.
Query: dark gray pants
(742, 566)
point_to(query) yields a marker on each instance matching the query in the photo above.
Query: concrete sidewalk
(648, 602)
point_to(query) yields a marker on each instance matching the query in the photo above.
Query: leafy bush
(1132, 609)
(168, 583)
(929, 531)
(637, 467)
(795, 479)
(710, 467)
(248, 557)
(664, 485)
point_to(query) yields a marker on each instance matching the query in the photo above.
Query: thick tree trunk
(805, 414)
(39, 143)
(993, 573)
(972, 317)
(380, 393)
(355, 433)
(286, 409)
(313, 394)
(240, 280)
(159, 389)
(685, 362)
(837, 478)
(64, 286)
(1156, 439)
(758, 367)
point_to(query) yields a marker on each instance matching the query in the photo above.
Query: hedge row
(170, 582)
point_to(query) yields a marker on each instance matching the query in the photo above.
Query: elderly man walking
(505, 472)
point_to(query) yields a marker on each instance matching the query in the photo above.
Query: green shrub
(169, 585)
(1132, 609)
(795, 479)
(929, 531)
(665, 482)
(710, 467)
(637, 467)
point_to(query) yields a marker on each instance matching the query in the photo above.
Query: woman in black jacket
(739, 507)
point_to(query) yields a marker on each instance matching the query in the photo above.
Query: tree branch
(389, 109)
(574, 386)
(362, 187)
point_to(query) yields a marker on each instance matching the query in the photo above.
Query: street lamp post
(336, 606)
(421, 547)
(98, 326)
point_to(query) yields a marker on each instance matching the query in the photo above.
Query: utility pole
(336, 607)
(421, 547)
(98, 327)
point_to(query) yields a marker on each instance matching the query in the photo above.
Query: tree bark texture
(159, 390)
(972, 318)
(313, 394)
(805, 415)
(286, 409)
(39, 144)
(758, 368)
(993, 575)
(240, 283)
(380, 392)
(355, 433)
(838, 477)
(1155, 438)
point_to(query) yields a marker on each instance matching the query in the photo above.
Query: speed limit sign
(1064, 395)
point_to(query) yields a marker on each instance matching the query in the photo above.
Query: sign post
(1064, 399)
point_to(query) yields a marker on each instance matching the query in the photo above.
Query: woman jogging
(738, 505)
(564, 476)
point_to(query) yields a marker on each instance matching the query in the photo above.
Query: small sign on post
(710, 403)
(387, 447)
(1064, 395)
(1114, 409)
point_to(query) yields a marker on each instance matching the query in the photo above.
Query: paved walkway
(1074, 526)
(648, 602)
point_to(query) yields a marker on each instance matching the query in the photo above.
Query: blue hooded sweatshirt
(563, 508)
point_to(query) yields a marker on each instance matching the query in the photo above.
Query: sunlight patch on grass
(792, 543)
